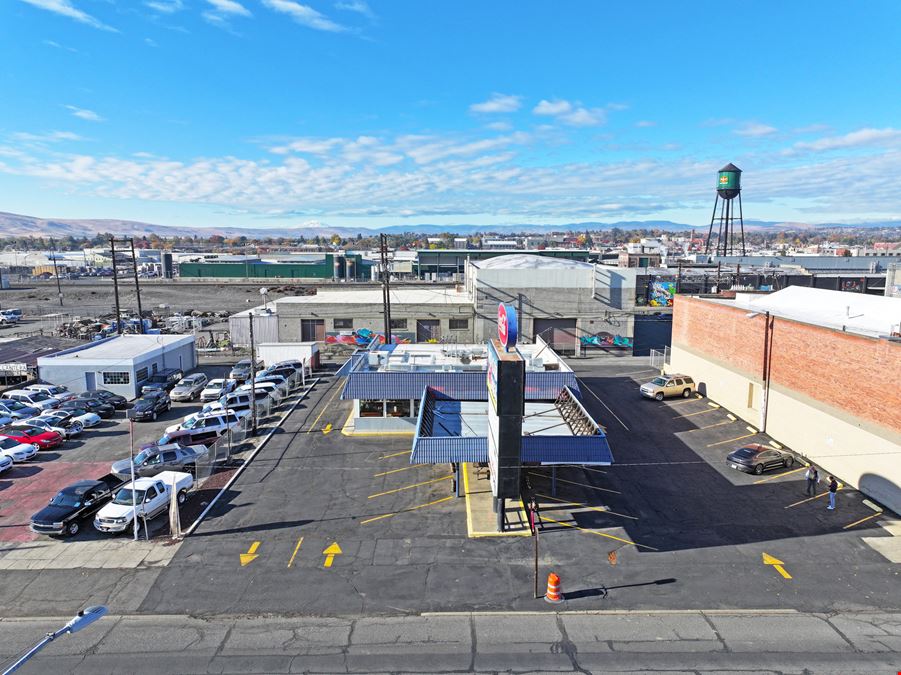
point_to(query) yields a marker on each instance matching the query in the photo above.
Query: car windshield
(39, 396)
(659, 381)
(8, 444)
(745, 453)
(124, 498)
(13, 405)
(190, 423)
(142, 456)
(242, 364)
(63, 499)
(215, 384)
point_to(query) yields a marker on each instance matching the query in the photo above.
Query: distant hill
(15, 225)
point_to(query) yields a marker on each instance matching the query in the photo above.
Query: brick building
(818, 370)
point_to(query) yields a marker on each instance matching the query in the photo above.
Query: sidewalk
(481, 520)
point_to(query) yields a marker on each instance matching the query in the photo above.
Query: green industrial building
(324, 266)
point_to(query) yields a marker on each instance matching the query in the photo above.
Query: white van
(36, 399)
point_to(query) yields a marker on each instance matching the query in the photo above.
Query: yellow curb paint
(296, 549)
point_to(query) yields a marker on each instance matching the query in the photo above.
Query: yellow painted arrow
(251, 555)
(328, 428)
(777, 565)
(330, 554)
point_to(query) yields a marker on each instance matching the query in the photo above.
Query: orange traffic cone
(553, 594)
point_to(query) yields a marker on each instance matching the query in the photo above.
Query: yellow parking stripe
(862, 520)
(702, 412)
(572, 482)
(709, 426)
(396, 454)
(595, 532)
(296, 549)
(412, 508)
(779, 475)
(600, 509)
(403, 468)
(810, 499)
(410, 487)
(731, 440)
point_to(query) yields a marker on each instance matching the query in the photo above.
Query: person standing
(833, 488)
(813, 477)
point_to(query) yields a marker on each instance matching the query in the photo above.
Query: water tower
(727, 189)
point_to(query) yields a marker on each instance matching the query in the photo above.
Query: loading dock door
(428, 329)
(654, 331)
(560, 334)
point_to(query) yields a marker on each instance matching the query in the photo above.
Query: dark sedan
(118, 402)
(72, 504)
(150, 405)
(757, 458)
(105, 410)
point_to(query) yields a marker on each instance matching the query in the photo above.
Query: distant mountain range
(14, 225)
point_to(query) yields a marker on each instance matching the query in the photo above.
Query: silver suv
(664, 386)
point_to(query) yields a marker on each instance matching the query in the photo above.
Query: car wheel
(659, 395)
(77, 428)
(758, 469)
(182, 497)
(72, 529)
(191, 469)
(686, 393)
(35, 446)
(788, 462)
(153, 417)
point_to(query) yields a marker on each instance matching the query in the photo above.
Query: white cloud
(755, 130)
(84, 114)
(48, 137)
(357, 6)
(67, 9)
(498, 103)
(552, 108)
(57, 45)
(854, 139)
(574, 115)
(150, 42)
(304, 15)
(165, 6)
(229, 7)
(643, 124)
(499, 126)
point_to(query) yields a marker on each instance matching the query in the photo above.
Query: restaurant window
(372, 408)
(345, 324)
(399, 408)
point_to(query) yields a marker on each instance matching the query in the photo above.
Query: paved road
(687, 642)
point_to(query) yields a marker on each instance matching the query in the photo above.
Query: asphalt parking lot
(326, 524)
(26, 487)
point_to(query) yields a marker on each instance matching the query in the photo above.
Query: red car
(42, 440)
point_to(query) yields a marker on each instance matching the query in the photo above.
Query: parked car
(241, 370)
(40, 439)
(238, 401)
(151, 497)
(42, 423)
(104, 410)
(756, 458)
(153, 459)
(150, 406)
(279, 380)
(35, 399)
(6, 462)
(7, 319)
(67, 418)
(216, 389)
(189, 387)
(16, 410)
(207, 427)
(6, 419)
(108, 397)
(56, 391)
(665, 386)
(16, 450)
(164, 380)
(72, 504)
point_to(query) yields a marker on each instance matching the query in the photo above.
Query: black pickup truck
(73, 504)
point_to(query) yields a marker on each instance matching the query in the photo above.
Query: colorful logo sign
(507, 326)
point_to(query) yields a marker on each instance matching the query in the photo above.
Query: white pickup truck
(152, 496)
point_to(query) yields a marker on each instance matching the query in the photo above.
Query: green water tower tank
(728, 183)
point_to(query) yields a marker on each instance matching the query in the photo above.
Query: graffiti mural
(660, 293)
(606, 341)
(364, 336)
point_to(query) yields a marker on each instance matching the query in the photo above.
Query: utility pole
(253, 377)
(59, 290)
(386, 286)
(112, 246)
(134, 264)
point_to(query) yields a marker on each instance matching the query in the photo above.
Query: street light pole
(83, 619)
(253, 378)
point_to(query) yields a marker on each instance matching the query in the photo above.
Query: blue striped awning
(444, 450)
(566, 449)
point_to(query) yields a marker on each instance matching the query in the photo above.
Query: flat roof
(872, 315)
(120, 348)
(417, 357)
(28, 350)
(367, 296)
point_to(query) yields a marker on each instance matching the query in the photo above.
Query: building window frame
(113, 377)
(343, 324)
(141, 374)
(398, 324)
(458, 324)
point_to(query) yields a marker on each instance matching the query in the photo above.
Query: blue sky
(281, 112)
